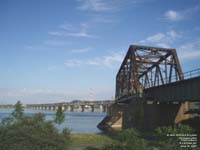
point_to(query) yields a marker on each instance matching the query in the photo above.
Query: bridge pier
(70, 108)
(102, 108)
(81, 108)
(91, 108)
(63, 108)
(146, 114)
(56, 107)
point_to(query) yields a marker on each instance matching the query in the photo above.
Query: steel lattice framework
(144, 67)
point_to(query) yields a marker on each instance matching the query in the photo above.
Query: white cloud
(69, 30)
(81, 50)
(190, 50)
(173, 15)
(54, 42)
(94, 5)
(109, 61)
(56, 33)
(72, 63)
(67, 27)
(28, 96)
(106, 5)
(162, 39)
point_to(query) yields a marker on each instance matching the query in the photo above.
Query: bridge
(77, 105)
(150, 83)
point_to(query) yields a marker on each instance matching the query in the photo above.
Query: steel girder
(144, 67)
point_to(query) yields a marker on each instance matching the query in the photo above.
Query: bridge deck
(185, 90)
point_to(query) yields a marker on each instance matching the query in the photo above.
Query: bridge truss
(145, 67)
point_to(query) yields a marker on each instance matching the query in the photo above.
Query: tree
(60, 116)
(33, 133)
(18, 111)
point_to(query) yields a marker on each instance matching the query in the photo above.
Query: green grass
(89, 141)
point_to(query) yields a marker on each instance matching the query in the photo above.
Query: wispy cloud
(190, 50)
(81, 50)
(176, 15)
(54, 42)
(71, 63)
(69, 30)
(162, 39)
(67, 26)
(42, 95)
(106, 5)
(94, 5)
(112, 60)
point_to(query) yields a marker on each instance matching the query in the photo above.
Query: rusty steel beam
(145, 67)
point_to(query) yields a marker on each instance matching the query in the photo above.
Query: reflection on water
(76, 121)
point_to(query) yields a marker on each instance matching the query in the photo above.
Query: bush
(165, 142)
(32, 133)
(128, 139)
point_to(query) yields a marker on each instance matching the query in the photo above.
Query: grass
(89, 141)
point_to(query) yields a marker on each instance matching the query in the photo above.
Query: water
(82, 122)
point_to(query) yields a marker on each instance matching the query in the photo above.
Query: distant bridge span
(81, 106)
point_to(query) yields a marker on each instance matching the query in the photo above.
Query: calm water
(76, 121)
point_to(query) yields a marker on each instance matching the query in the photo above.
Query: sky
(63, 50)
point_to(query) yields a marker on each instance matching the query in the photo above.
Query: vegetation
(18, 112)
(131, 139)
(165, 141)
(60, 116)
(20, 132)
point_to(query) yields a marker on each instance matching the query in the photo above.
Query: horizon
(68, 50)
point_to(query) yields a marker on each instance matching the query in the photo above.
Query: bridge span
(77, 105)
(152, 90)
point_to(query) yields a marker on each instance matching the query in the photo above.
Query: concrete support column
(63, 108)
(81, 108)
(52, 108)
(91, 108)
(70, 108)
(102, 108)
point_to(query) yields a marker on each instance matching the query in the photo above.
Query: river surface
(81, 122)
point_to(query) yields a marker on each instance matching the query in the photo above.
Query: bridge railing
(192, 74)
(186, 75)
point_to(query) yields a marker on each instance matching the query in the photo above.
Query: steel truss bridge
(155, 74)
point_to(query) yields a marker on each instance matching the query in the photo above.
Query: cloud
(94, 5)
(69, 30)
(162, 39)
(100, 6)
(173, 15)
(28, 96)
(190, 50)
(108, 61)
(81, 50)
(56, 33)
(54, 42)
(71, 63)
(67, 27)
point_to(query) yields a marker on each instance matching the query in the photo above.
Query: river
(81, 122)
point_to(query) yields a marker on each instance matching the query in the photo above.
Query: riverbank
(89, 141)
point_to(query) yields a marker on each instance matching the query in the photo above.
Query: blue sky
(54, 51)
